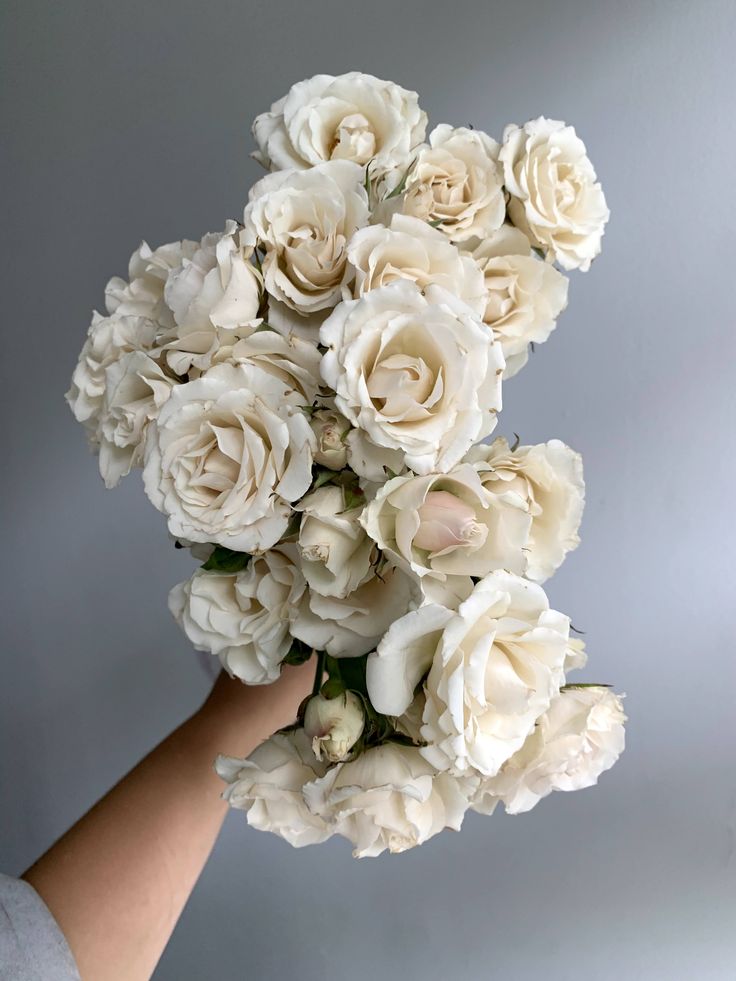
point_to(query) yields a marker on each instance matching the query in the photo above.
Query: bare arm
(118, 880)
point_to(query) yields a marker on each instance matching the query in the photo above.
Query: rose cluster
(308, 393)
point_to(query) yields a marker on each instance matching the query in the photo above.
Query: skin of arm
(118, 880)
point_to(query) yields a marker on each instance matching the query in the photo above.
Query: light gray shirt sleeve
(32, 947)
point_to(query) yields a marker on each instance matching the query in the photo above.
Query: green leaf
(226, 560)
(515, 445)
(353, 497)
(436, 223)
(299, 653)
(585, 684)
(323, 477)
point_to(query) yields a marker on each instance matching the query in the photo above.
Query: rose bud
(330, 428)
(334, 725)
(446, 522)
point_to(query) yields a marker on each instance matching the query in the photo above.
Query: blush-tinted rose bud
(447, 522)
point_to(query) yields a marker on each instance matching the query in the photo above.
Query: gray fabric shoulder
(32, 947)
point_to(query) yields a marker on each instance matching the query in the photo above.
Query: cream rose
(524, 296)
(579, 737)
(135, 390)
(214, 296)
(387, 798)
(415, 371)
(148, 271)
(403, 657)
(337, 556)
(268, 786)
(291, 360)
(227, 455)
(555, 197)
(304, 220)
(447, 525)
(494, 666)
(497, 667)
(242, 617)
(456, 184)
(548, 478)
(411, 249)
(352, 625)
(349, 117)
(372, 463)
(108, 339)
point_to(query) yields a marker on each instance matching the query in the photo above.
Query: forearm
(118, 880)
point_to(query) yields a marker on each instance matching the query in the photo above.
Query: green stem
(319, 672)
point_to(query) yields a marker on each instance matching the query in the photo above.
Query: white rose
(304, 220)
(409, 723)
(549, 478)
(334, 725)
(268, 786)
(447, 525)
(498, 665)
(242, 617)
(227, 455)
(524, 296)
(291, 360)
(330, 430)
(403, 657)
(108, 339)
(212, 294)
(456, 184)
(415, 371)
(135, 390)
(579, 737)
(349, 117)
(336, 554)
(411, 249)
(148, 270)
(352, 625)
(387, 798)
(555, 197)
(576, 654)
(494, 667)
(375, 464)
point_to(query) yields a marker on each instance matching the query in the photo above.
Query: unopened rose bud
(330, 428)
(447, 522)
(334, 725)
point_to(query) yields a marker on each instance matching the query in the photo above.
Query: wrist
(236, 717)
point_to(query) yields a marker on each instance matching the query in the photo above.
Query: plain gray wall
(128, 119)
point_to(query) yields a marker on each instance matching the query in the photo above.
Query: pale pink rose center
(446, 522)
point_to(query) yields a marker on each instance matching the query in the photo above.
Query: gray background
(130, 119)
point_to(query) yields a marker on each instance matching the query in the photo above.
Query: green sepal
(401, 186)
(585, 684)
(332, 688)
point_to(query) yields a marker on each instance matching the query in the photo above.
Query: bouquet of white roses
(308, 393)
